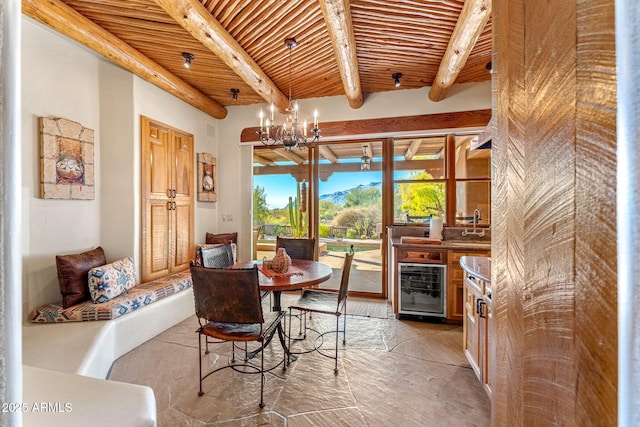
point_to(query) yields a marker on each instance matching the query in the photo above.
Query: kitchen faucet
(476, 219)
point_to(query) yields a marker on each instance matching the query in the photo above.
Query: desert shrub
(352, 233)
(348, 217)
(323, 230)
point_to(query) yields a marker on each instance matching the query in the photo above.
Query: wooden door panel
(183, 154)
(471, 327)
(182, 241)
(158, 158)
(158, 235)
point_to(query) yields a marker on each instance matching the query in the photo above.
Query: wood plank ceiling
(343, 48)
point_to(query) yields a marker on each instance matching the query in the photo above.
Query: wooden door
(167, 199)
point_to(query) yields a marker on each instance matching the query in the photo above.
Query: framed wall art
(207, 178)
(66, 160)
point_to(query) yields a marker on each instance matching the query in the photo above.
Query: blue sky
(279, 187)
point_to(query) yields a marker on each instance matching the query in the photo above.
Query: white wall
(58, 80)
(236, 184)
(63, 79)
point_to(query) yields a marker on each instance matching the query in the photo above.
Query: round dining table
(303, 274)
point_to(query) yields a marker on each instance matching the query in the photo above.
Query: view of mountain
(339, 197)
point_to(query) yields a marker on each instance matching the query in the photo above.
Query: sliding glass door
(342, 208)
(350, 212)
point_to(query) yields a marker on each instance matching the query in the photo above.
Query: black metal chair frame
(317, 301)
(229, 308)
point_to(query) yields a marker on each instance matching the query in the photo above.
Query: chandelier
(291, 133)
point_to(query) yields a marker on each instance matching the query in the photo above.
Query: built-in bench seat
(135, 298)
(64, 344)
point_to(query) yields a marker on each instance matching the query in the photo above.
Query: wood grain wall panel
(508, 211)
(596, 261)
(553, 194)
(549, 287)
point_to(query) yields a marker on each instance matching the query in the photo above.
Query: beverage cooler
(422, 289)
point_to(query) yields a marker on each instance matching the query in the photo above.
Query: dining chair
(228, 307)
(326, 302)
(219, 256)
(298, 248)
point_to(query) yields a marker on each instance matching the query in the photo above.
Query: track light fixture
(188, 58)
(396, 78)
(234, 93)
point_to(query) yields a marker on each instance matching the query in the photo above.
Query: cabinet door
(455, 287)
(489, 348)
(167, 200)
(471, 325)
(182, 238)
(156, 183)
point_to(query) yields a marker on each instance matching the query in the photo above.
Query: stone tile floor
(391, 373)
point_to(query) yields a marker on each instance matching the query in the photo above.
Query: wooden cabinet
(167, 199)
(478, 328)
(455, 283)
(424, 256)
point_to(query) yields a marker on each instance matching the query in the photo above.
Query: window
(473, 183)
(441, 177)
(419, 178)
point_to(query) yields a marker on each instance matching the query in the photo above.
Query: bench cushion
(135, 298)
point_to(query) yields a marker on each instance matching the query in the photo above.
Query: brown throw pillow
(73, 273)
(222, 238)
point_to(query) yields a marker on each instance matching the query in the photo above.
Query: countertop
(479, 266)
(445, 245)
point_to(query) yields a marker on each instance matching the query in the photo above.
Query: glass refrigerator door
(422, 289)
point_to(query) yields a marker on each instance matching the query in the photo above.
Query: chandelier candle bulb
(304, 127)
(273, 108)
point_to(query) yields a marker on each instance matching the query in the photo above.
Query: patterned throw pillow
(108, 281)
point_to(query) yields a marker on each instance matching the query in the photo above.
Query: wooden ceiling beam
(199, 22)
(434, 167)
(65, 20)
(413, 149)
(326, 152)
(337, 15)
(262, 160)
(384, 126)
(473, 18)
(290, 155)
